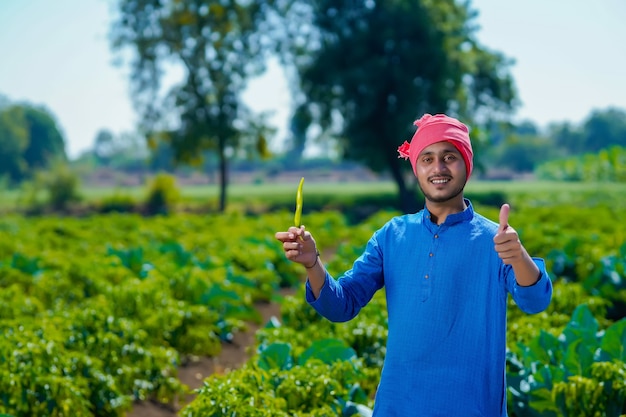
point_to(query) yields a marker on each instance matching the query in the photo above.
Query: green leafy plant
(323, 381)
(579, 373)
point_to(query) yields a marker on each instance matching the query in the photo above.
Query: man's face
(441, 172)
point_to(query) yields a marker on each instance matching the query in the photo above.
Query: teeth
(439, 181)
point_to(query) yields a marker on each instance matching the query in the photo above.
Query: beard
(444, 197)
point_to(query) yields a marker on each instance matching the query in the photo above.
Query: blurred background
(220, 94)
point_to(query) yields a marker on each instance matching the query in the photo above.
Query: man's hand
(506, 240)
(299, 246)
(511, 251)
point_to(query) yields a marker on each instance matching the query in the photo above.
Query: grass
(322, 194)
(243, 191)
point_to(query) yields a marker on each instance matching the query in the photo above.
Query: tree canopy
(370, 68)
(29, 140)
(216, 46)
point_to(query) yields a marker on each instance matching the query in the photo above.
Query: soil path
(232, 356)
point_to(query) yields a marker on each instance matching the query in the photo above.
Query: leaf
(578, 358)
(544, 348)
(328, 351)
(273, 323)
(216, 296)
(543, 378)
(181, 256)
(582, 326)
(275, 356)
(25, 264)
(357, 394)
(614, 341)
(350, 409)
(542, 402)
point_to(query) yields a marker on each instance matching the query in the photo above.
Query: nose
(440, 165)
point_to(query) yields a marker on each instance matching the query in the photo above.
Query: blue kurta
(446, 292)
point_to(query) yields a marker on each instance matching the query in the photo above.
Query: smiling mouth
(440, 181)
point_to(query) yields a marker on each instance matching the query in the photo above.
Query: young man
(447, 272)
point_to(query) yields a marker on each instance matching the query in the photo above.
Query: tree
(104, 147)
(29, 140)
(218, 45)
(567, 137)
(522, 152)
(13, 143)
(368, 69)
(604, 129)
(46, 143)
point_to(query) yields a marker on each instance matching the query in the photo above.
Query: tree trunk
(409, 202)
(223, 175)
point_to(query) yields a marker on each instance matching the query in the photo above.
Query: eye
(450, 158)
(427, 159)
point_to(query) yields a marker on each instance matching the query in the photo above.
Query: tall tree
(13, 142)
(46, 143)
(372, 67)
(29, 140)
(217, 45)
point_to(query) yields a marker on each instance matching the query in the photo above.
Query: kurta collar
(452, 219)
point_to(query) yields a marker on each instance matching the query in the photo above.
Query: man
(447, 272)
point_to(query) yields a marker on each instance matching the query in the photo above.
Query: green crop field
(99, 311)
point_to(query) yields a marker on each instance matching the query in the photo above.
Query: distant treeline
(30, 141)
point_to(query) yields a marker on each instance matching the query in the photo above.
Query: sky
(570, 59)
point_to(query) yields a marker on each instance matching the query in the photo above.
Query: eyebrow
(452, 149)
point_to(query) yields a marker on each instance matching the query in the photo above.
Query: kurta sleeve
(535, 298)
(342, 299)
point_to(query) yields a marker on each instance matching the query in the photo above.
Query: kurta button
(436, 236)
(430, 254)
(426, 276)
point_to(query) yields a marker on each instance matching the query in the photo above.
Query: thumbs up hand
(510, 250)
(506, 240)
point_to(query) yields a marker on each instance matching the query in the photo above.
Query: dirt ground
(192, 374)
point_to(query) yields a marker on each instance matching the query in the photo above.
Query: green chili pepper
(298, 215)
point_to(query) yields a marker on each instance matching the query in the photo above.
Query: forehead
(440, 147)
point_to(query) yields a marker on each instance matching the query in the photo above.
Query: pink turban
(438, 128)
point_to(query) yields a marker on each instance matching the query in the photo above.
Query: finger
(502, 238)
(291, 245)
(509, 256)
(503, 247)
(292, 254)
(303, 234)
(504, 217)
(285, 236)
(295, 248)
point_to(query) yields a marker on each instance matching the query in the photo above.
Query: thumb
(304, 235)
(504, 218)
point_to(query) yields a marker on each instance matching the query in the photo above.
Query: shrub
(61, 186)
(117, 203)
(162, 194)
